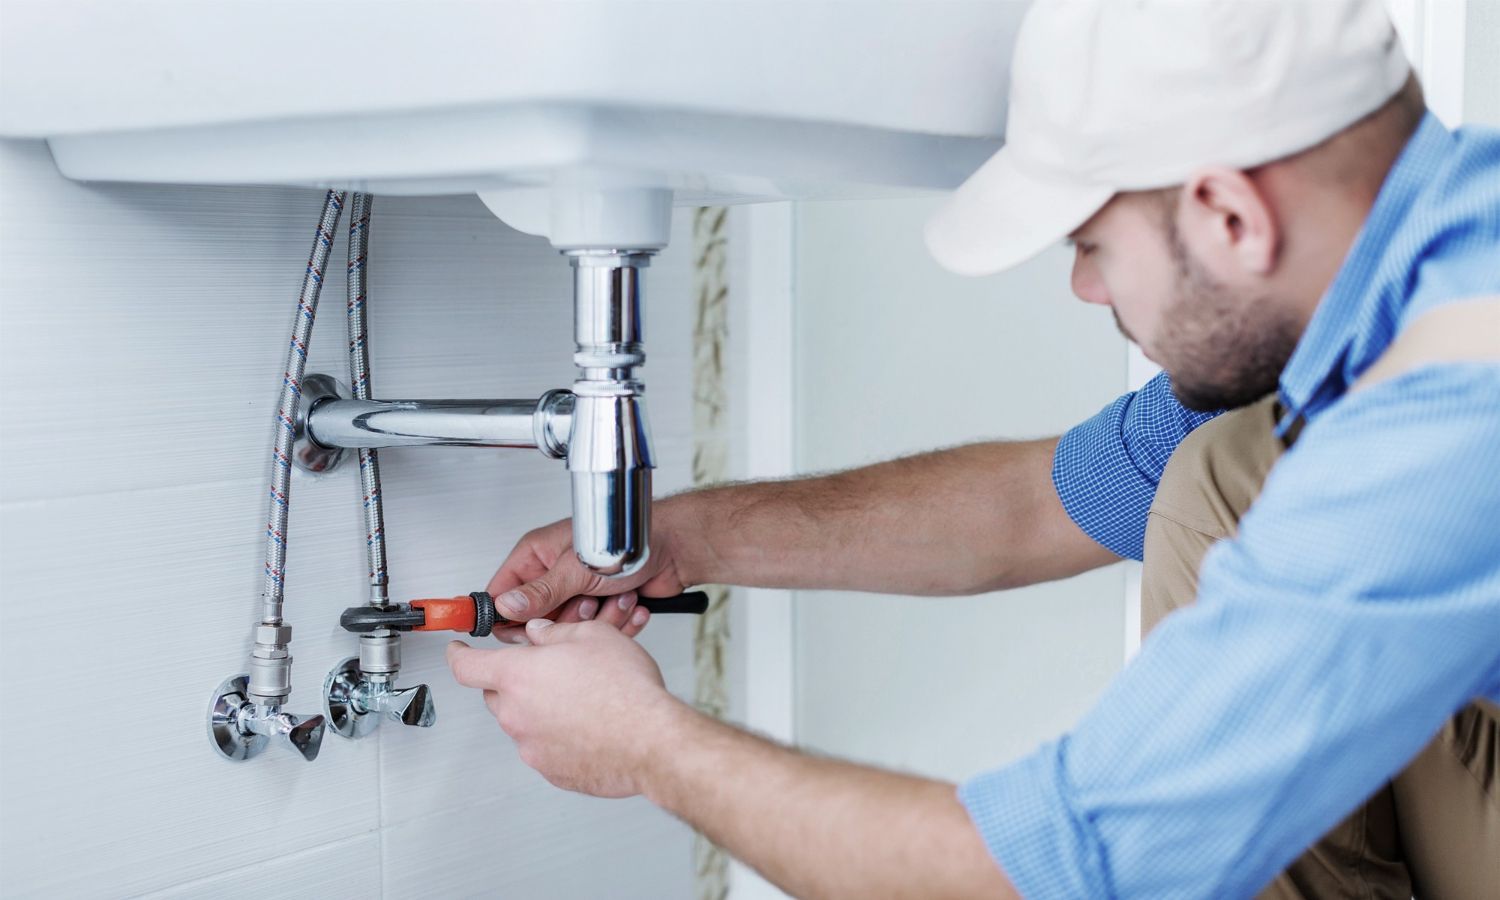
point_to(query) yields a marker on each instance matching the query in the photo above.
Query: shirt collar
(1353, 324)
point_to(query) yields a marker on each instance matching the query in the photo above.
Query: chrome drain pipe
(599, 426)
(544, 424)
(609, 450)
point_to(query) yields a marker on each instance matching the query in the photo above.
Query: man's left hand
(585, 704)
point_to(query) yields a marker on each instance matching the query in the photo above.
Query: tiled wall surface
(141, 340)
(897, 357)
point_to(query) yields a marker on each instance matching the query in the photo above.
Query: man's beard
(1221, 351)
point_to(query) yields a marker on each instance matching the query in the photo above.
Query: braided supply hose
(359, 380)
(291, 390)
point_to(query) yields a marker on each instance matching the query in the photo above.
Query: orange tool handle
(450, 614)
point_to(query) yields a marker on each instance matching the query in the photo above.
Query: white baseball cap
(1125, 95)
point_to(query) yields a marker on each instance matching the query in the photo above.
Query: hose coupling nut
(278, 635)
(380, 652)
(270, 676)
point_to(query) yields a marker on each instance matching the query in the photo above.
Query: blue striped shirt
(1355, 611)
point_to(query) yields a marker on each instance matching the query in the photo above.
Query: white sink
(712, 100)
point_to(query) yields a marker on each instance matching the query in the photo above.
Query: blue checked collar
(1359, 314)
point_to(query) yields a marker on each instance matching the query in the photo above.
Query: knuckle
(544, 594)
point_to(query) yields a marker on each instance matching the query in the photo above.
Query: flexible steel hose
(291, 390)
(359, 379)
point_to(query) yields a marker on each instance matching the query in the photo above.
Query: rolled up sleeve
(1106, 469)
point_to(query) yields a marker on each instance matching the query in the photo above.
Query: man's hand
(543, 577)
(587, 708)
(585, 704)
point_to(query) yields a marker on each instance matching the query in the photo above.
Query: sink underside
(720, 100)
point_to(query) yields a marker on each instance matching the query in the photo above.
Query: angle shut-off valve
(245, 714)
(361, 692)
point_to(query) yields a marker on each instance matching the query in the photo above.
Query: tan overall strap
(1446, 800)
(1435, 830)
(1466, 331)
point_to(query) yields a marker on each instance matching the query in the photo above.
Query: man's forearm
(818, 827)
(958, 521)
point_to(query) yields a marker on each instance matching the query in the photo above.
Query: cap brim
(1002, 217)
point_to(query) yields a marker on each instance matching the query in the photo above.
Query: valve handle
(412, 706)
(304, 735)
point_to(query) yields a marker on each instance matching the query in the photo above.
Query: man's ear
(1228, 221)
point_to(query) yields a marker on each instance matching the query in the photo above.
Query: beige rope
(710, 465)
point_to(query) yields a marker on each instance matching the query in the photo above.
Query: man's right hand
(542, 578)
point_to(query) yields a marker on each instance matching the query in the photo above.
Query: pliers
(476, 614)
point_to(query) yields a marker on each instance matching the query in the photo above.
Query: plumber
(1259, 195)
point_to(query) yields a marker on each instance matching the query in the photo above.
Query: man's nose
(1087, 284)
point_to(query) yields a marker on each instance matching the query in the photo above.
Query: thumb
(536, 598)
(542, 632)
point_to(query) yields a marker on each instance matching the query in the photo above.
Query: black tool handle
(693, 603)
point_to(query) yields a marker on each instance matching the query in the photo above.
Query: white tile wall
(141, 336)
(896, 356)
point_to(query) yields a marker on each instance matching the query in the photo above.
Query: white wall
(141, 339)
(1482, 62)
(893, 356)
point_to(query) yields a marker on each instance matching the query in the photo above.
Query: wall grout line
(383, 836)
(8, 505)
(285, 857)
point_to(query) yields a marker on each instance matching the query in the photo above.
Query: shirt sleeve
(1356, 610)
(1107, 468)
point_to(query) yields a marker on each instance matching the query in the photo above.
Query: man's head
(1216, 279)
(1212, 161)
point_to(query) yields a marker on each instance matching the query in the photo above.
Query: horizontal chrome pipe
(544, 423)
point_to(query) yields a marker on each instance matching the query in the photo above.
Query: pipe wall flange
(307, 454)
(230, 740)
(340, 706)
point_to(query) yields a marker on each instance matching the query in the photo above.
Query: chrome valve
(241, 728)
(355, 703)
